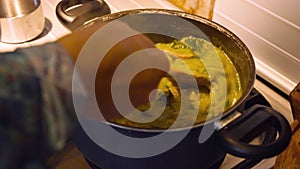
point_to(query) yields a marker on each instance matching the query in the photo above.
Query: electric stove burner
(76, 13)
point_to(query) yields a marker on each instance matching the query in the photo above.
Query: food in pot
(200, 56)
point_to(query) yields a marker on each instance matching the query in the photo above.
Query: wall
(271, 30)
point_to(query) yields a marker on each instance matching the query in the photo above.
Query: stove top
(54, 29)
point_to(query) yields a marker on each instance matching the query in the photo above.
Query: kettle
(20, 20)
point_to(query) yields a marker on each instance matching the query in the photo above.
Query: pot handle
(235, 137)
(76, 13)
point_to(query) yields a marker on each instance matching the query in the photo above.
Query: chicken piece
(185, 64)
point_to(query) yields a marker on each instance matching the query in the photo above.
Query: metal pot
(231, 134)
(20, 20)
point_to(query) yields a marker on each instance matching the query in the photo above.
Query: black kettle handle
(235, 137)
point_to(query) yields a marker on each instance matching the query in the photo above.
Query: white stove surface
(55, 30)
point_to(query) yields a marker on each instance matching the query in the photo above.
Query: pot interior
(234, 48)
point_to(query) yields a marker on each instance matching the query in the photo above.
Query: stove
(54, 30)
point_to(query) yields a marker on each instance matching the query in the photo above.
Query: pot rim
(197, 18)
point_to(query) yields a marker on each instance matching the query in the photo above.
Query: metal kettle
(20, 20)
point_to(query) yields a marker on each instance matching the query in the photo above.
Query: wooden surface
(290, 158)
(68, 158)
(295, 102)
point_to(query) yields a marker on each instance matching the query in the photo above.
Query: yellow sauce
(198, 54)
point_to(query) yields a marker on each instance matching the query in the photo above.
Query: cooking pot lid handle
(235, 137)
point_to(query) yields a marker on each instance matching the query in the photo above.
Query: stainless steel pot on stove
(233, 138)
(20, 20)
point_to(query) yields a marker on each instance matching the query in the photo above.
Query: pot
(231, 134)
(20, 21)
